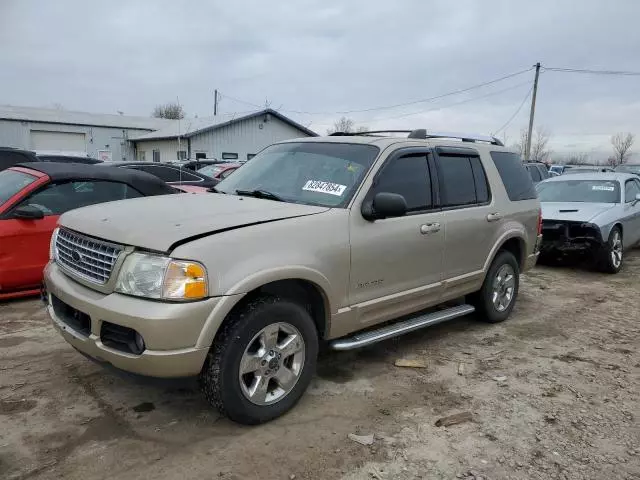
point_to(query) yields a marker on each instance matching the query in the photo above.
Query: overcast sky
(325, 56)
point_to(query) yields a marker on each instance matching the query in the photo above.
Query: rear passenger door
(470, 220)
(631, 212)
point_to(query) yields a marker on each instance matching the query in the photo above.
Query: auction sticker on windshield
(324, 187)
(603, 188)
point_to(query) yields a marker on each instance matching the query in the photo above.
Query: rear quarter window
(515, 177)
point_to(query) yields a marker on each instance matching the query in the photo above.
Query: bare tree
(171, 110)
(346, 125)
(539, 145)
(576, 158)
(622, 143)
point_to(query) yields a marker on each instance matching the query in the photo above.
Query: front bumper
(565, 238)
(170, 330)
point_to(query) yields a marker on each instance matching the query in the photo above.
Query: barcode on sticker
(603, 188)
(324, 187)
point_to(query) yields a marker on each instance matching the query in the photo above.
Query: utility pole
(527, 151)
(215, 102)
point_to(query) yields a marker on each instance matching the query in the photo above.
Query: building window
(182, 154)
(229, 156)
(250, 156)
(200, 155)
(142, 157)
(156, 156)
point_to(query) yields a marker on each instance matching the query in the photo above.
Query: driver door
(631, 212)
(396, 263)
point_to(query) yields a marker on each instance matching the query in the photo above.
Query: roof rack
(422, 133)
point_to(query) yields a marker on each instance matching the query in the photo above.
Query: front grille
(87, 257)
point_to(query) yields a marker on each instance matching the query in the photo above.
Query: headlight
(52, 244)
(153, 276)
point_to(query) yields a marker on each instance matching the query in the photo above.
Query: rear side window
(11, 182)
(463, 181)
(408, 176)
(169, 174)
(534, 172)
(517, 181)
(544, 172)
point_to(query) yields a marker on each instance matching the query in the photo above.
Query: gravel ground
(551, 393)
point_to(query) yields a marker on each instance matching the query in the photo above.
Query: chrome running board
(373, 336)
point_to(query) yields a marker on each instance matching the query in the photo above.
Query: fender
(238, 291)
(518, 233)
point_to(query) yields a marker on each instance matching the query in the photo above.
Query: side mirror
(637, 198)
(28, 212)
(385, 205)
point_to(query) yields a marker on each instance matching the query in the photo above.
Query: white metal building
(222, 137)
(97, 135)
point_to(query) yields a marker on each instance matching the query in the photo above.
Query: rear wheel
(613, 252)
(261, 361)
(497, 297)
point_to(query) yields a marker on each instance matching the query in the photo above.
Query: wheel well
(302, 292)
(516, 247)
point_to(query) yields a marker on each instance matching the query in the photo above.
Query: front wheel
(261, 361)
(497, 297)
(612, 253)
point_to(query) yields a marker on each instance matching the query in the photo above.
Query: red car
(219, 171)
(34, 195)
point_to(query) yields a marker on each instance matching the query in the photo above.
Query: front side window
(316, 173)
(534, 172)
(58, 198)
(169, 174)
(631, 190)
(407, 175)
(11, 182)
(589, 191)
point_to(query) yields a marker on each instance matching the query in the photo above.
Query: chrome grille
(87, 257)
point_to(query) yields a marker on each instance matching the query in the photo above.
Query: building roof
(50, 115)
(143, 182)
(188, 127)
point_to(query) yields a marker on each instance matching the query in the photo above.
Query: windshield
(628, 168)
(589, 191)
(325, 174)
(11, 182)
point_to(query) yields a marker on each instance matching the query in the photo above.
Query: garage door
(58, 141)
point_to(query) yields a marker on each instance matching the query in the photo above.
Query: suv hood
(157, 223)
(573, 211)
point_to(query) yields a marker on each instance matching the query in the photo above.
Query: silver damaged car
(596, 215)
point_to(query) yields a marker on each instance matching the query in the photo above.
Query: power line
(591, 72)
(506, 124)
(388, 107)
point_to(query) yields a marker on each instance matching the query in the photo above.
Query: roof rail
(423, 134)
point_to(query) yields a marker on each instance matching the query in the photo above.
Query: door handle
(494, 217)
(428, 228)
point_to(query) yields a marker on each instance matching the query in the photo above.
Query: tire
(267, 390)
(483, 299)
(612, 256)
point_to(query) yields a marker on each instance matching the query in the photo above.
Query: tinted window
(631, 190)
(55, 199)
(544, 172)
(11, 182)
(589, 191)
(534, 172)
(169, 174)
(408, 176)
(316, 173)
(457, 181)
(515, 177)
(480, 180)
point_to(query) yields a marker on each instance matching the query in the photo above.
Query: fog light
(139, 343)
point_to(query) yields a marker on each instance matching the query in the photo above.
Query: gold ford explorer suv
(347, 239)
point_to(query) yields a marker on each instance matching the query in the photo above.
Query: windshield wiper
(259, 194)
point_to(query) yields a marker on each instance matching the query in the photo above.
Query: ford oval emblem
(76, 256)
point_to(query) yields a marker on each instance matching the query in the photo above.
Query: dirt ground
(553, 393)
